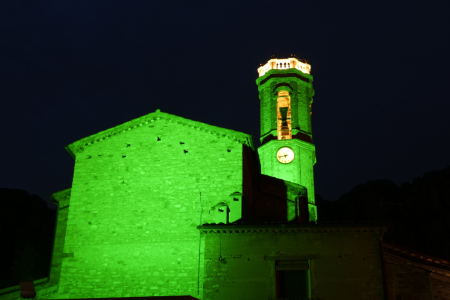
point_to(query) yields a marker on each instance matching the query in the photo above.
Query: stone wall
(62, 200)
(135, 203)
(239, 262)
(299, 171)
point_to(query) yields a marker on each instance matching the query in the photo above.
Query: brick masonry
(135, 203)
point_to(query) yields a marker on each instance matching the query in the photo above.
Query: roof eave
(80, 145)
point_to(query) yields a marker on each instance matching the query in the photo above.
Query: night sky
(69, 69)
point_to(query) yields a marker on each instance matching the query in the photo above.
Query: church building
(166, 206)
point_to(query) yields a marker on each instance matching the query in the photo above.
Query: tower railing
(283, 64)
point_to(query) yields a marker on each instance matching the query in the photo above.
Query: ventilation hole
(181, 143)
(185, 151)
(221, 210)
(128, 145)
(88, 157)
(228, 150)
(158, 139)
(236, 199)
(123, 156)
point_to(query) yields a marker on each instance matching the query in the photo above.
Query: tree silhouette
(417, 211)
(27, 228)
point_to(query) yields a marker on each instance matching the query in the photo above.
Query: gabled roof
(80, 145)
(399, 255)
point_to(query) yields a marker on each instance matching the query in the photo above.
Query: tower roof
(80, 145)
(284, 63)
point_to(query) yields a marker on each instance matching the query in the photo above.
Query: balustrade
(284, 64)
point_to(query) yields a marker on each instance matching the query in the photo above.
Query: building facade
(166, 206)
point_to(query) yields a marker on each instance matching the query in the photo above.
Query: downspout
(199, 246)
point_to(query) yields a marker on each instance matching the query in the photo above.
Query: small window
(292, 280)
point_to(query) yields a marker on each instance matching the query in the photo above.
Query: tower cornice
(306, 79)
(280, 143)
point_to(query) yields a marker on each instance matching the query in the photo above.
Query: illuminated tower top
(286, 92)
(284, 63)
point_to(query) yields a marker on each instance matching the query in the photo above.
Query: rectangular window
(292, 280)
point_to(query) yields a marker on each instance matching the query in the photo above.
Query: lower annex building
(166, 206)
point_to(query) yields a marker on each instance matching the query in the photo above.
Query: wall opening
(292, 279)
(284, 127)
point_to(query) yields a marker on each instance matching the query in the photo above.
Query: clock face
(285, 155)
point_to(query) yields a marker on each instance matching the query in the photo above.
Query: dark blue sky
(70, 69)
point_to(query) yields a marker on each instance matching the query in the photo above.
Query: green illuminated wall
(138, 193)
(62, 200)
(344, 262)
(300, 170)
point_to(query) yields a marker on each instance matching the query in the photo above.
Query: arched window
(284, 127)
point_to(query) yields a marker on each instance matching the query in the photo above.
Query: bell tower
(287, 151)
